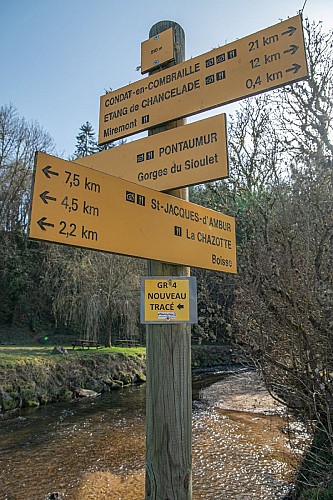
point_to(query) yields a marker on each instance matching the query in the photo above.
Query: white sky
(58, 56)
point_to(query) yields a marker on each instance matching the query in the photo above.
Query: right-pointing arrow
(48, 172)
(294, 69)
(42, 223)
(290, 31)
(292, 50)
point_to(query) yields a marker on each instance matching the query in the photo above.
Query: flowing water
(95, 449)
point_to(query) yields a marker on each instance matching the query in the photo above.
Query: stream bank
(41, 380)
(43, 377)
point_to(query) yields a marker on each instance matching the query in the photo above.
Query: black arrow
(48, 172)
(180, 306)
(44, 197)
(42, 223)
(294, 69)
(292, 50)
(290, 31)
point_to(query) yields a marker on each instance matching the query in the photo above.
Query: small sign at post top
(157, 50)
(168, 299)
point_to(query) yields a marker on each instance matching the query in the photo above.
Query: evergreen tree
(86, 142)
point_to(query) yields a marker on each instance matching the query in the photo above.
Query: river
(94, 448)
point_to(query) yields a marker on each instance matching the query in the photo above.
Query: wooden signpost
(169, 379)
(81, 205)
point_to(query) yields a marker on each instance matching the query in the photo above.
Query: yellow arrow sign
(259, 62)
(75, 205)
(179, 157)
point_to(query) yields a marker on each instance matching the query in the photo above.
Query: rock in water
(85, 393)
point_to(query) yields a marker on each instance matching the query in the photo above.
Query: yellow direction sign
(157, 50)
(76, 205)
(171, 299)
(263, 61)
(179, 157)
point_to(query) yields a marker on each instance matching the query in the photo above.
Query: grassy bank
(32, 375)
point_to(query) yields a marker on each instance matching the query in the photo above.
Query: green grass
(317, 494)
(12, 353)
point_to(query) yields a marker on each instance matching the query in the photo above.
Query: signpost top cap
(165, 25)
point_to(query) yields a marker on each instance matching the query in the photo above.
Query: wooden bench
(128, 342)
(85, 343)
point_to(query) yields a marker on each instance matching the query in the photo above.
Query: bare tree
(94, 293)
(284, 300)
(281, 191)
(19, 262)
(19, 140)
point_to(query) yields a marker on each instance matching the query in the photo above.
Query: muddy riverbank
(243, 391)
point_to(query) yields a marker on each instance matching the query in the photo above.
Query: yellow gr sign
(171, 299)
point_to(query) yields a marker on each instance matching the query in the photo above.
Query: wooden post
(169, 382)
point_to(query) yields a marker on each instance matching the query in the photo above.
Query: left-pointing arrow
(180, 306)
(44, 196)
(42, 223)
(48, 172)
